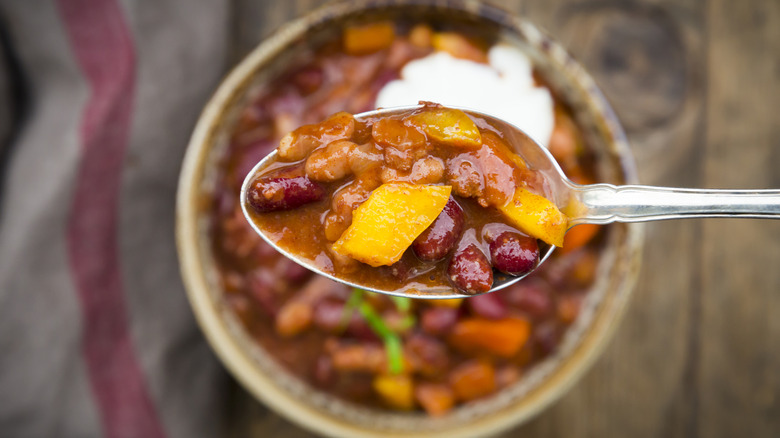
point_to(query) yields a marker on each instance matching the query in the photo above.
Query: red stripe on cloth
(103, 46)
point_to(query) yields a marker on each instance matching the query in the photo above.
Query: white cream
(504, 88)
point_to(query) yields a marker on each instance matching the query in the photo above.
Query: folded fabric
(96, 333)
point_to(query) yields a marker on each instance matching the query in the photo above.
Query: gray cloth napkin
(96, 335)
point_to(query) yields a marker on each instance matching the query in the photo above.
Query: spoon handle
(605, 203)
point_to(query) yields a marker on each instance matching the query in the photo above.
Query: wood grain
(740, 348)
(695, 83)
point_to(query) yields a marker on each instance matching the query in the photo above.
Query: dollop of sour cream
(504, 88)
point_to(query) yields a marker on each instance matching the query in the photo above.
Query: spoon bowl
(535, 155)
(595, 203)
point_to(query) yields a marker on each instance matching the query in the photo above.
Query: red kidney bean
(531, 295)
(275, 194)
(293, 272)
(262, 291)
(441, 236)
(546, 338)
(329, 316)
(253, 153)
(438, 320)
(308, 79)
(358, 328)
(513, 253)
(400, 270)
(426, 354)
(470, 270)
(487, 306)
(243, 308)
(324, 374)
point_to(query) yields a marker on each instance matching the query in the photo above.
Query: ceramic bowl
(257, 370)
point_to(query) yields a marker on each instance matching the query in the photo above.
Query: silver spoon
(584, 204)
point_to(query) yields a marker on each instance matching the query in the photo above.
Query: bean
(342, 263)
(277, 194)
(293, 272)
(345, 201)
(329, 316)
(532, 296)
(293, 318)
(308, 79)
(470, 271)
(575, 270)
(546, 338)
(426, 354)
(297, 144)
(401, 159)
(364, 158)
(568, 308)
(336, 127)
(362, 357)
(513, 253)
(435, 398)
(507, 375)
(428, 170)
(396, 321)
(488, 306)
(252, 153)
(232, 282)
(394, 133)
(362, 132)
(332, 162)
(243, 308)
(403, 145)
(261, 290)
(358, 328)
(441, 236)
(400, 270)
(438, 320)
(324, 374)
(464, 175)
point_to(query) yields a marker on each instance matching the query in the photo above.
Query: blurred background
(694, 82)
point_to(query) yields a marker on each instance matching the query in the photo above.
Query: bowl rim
(208, 311)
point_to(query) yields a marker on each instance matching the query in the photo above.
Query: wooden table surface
(695, 83)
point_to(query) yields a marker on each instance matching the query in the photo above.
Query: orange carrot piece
(501, 337)
(473, 380)
(368, 38)
(579, 236)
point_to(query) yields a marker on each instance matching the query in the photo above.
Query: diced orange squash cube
(536, 216)
(386, 224)
(368, 38)
(502, 337)
(452, 303)
(448, 126)
(396, 390)
(472, 380)
(458, 46)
